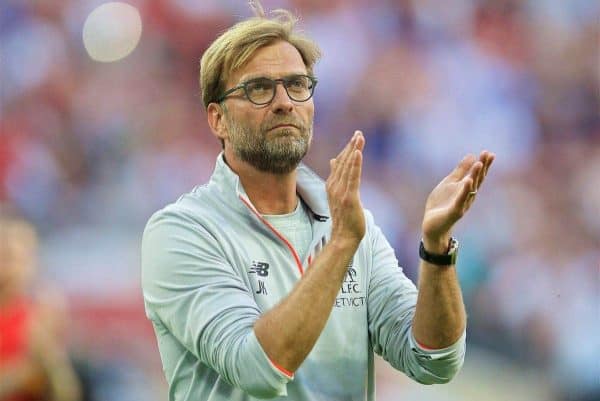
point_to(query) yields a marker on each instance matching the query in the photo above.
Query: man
(267, 282)
(34, 364)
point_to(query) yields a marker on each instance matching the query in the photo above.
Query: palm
(453, 196)
(441, 211)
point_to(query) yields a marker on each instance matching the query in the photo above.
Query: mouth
(283, 126)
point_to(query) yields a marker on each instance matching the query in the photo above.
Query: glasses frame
(282, 81)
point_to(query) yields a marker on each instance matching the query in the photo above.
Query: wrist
(344, 244)
(446, 258)
(437, 245)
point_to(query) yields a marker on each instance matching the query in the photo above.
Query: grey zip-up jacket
(211, 264)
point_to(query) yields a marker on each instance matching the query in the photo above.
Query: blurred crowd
(89, 150)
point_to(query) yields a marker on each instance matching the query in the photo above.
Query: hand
(451, 199)
(343, 195)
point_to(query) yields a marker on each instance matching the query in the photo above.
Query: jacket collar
(310, 187)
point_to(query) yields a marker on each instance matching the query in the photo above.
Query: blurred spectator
(34, 363)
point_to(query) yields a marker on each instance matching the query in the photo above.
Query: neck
(269, 193)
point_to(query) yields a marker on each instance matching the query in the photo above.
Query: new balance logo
(259, 268)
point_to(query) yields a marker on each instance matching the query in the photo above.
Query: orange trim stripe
(277, 233)
(426, 348)
(282, 370)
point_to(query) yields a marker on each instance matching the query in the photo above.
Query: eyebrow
(255, 76)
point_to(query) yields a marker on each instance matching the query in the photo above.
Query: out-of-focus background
(102, 124)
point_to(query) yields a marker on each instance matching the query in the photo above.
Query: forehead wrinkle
(274, 61)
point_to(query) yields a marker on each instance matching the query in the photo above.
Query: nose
(281, 103)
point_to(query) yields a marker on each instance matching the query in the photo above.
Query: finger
(465, 197)
(484, 158)
(346, 163)
(345, 172)
(350, 147)
(346, 148)
(476, 173)
(340, 160)
(490, 159)
(355, 165)
(332, 163)
(471, 196)
(355, 172)
(487, 161)
(462, 168)
(360, 141)
(333, 175)
(336, 163)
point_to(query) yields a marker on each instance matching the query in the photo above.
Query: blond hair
(234, 48)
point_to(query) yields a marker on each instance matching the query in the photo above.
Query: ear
(215, 115)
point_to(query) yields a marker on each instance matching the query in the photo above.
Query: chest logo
(259, 268)
(350, 295)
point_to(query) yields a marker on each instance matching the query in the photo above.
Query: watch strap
(447, 259)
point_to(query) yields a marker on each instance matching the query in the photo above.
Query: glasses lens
(299, 87)
(260, 90)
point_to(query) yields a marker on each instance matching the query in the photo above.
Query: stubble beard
(279, 154)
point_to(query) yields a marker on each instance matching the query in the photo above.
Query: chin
(283, 132)
(281, 164)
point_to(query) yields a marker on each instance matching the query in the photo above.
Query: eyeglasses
(261, 91)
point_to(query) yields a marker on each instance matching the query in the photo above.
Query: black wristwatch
(447, 259)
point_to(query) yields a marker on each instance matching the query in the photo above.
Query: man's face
(274, 137)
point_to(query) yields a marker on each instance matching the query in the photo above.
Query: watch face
(453, 246)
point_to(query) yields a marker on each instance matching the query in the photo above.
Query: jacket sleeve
(190, 287)
(391, 307)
